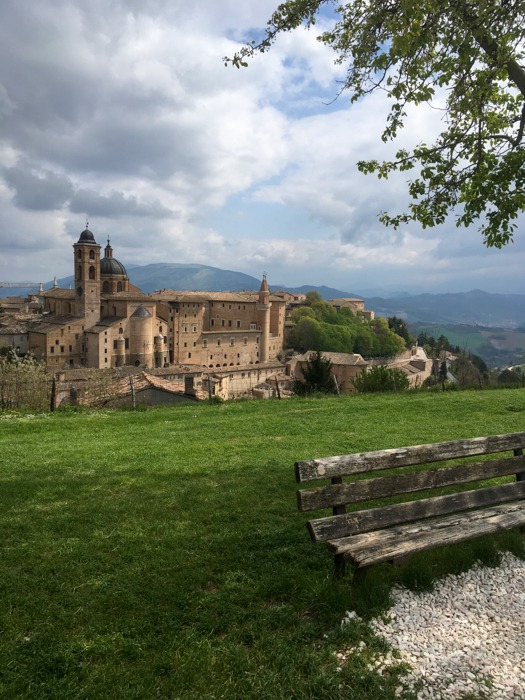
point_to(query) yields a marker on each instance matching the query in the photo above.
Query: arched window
(79, 255)
(79, 272)
(119, 286)
(105, 287)
(91, 254)
(91, 273)
(121, 330)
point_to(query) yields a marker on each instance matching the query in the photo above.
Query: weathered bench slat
(343, 465)
(384, 486)
(337, 526)
(376, 547)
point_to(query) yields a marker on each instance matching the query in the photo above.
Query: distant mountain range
(475, 308)
(472, 308)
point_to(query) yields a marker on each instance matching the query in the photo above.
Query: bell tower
(87, 277)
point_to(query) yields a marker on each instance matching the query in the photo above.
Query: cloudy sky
(121, 112)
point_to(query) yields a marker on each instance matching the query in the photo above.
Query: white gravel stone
(466, 636)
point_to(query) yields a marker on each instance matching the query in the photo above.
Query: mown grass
(160, 554)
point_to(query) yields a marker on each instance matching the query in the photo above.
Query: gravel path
(466, 636)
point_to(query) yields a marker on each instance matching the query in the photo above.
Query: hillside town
(171, 346)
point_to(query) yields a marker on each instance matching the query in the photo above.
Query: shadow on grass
(138, 584)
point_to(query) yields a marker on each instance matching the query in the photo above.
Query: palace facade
(106, 322)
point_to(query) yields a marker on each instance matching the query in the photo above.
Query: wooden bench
(387, 531)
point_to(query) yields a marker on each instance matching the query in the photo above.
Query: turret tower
(263, 319)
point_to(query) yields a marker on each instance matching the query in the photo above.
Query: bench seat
(397, 542)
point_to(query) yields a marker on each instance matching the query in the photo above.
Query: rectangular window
(232, 341)
(189, 356)
(126, 343)
(70, 348)
(219, 342)
(194, 329)
(212, 322)
(57, 342)
(253, 326)
(114, 345)
(223, 322)
(229, 324)
(62, 348)
(204, 343)
(245, 341)
(238, 324)
(52, 349)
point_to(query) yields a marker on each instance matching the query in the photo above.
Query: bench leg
(339, 566)
(359, 575)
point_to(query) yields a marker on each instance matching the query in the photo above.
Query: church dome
(86, 237)
(112, 268)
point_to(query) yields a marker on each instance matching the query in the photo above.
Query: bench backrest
(508, 460)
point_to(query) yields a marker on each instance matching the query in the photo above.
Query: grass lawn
(160, 554)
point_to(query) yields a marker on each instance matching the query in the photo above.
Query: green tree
(464, 57)
(509, 377)
(307, 334)
(400, 328)
(317, 377)
(381, 379)
(466, 372)
(387, 343)
(312, 297)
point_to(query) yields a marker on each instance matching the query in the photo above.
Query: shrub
(24, 383)
(381, 378)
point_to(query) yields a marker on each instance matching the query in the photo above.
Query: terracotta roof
(343, 299)
(55, 322)
(189, 297)
(57, 293)
(132, 293)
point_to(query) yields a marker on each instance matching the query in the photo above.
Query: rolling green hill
(499, 347)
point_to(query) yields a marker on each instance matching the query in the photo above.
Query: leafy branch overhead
(463, 57)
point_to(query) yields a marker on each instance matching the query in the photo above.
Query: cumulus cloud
(125, 113)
